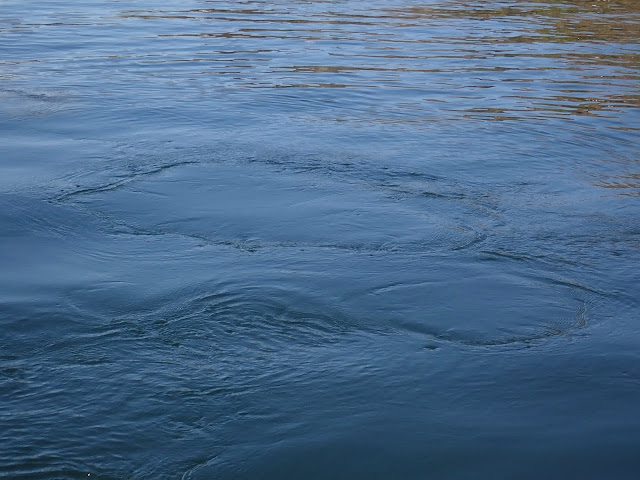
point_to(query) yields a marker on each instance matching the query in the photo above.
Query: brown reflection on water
(626, 184)
(463, 59)
(578, 105)
(563, 20)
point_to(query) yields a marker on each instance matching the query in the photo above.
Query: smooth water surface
(333, 239)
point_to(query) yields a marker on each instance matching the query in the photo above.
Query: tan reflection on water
(584, 38)
(399, 63)
(546, 59)
(465, 60)
(628, 184)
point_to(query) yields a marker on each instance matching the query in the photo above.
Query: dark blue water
(334, 239)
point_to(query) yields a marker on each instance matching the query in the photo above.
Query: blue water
(335, 239)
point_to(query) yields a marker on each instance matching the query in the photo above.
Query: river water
(332, 239)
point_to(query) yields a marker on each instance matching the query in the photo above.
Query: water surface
(333, 239)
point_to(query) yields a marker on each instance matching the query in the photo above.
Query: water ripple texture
(350, 239)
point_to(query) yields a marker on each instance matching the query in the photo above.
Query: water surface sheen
(332, 239)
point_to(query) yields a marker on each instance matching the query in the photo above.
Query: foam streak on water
(334, 239)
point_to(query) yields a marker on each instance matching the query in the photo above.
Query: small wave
(255, 207)
(19, 103)
(550, 328)
(108, 187)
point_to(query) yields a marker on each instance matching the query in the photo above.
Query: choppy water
(330, 239)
